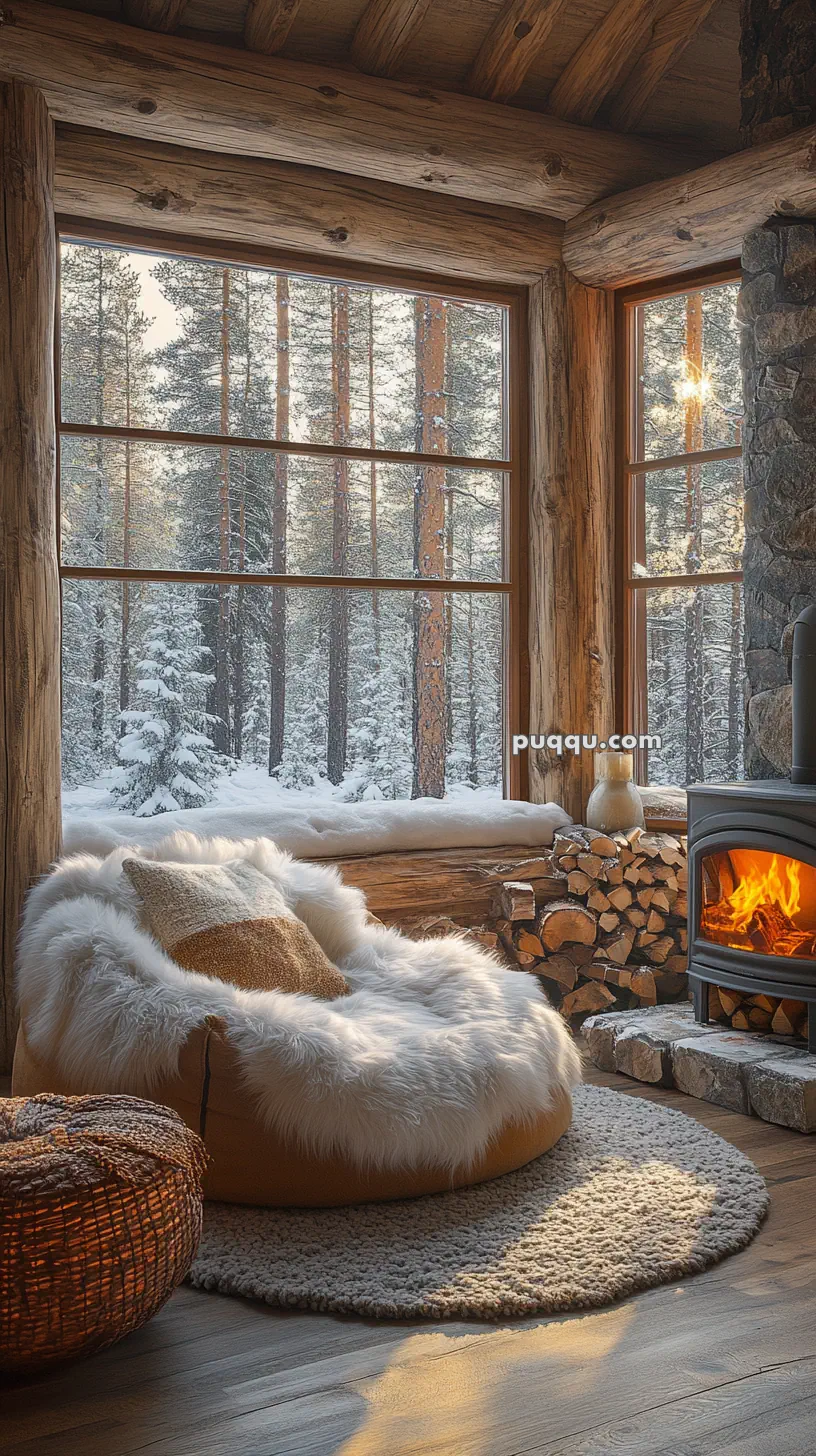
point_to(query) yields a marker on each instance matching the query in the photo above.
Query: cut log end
(516, 901)
(565, 920)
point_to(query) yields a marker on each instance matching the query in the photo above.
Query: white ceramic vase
(614, 802)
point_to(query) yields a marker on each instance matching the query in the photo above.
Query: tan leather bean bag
(251, 1164)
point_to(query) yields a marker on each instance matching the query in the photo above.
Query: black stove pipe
(803, 676)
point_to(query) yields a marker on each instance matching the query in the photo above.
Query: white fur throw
(435, 1049)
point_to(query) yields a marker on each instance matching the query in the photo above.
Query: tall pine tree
(108, 490)
(218, 378)
(167, 756)
(430, 627)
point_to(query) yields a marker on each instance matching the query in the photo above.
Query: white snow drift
(313, 828)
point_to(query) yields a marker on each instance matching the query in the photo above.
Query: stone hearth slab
(768, 1075)
(645, 1051)
(783, 1090)
(716, 1068)
(636, 1044)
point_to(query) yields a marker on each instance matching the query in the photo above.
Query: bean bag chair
(438, 1069)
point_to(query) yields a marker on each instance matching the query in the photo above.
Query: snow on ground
(249, 803)
(248, 787)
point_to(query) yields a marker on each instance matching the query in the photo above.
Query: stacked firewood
(600, 918)
(757, 1013)
(618, 936)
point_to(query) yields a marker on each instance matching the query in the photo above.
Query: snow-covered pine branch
(166, 757)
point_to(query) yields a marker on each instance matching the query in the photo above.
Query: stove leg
(699, 997)
(812, 1026)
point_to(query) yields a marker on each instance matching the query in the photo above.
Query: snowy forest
(687, 520)
(181, 693)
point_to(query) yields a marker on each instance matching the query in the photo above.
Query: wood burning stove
(752, 867)
(752, 891)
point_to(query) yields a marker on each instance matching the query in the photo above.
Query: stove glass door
(758, 901)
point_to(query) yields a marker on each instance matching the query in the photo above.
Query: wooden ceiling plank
(598, 65)
(145, 184)
(691, 221)
(510, 47)
(100, 73)
(671, 35)
(384, 32)
(267, 24)
(162, 15)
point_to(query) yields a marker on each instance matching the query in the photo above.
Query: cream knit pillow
(230, 922)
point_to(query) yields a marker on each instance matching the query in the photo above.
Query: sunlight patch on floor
(441, 1392)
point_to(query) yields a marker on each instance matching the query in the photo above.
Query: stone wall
(777, 314)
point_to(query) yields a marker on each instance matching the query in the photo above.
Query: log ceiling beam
(267, 24)
(146, 184)
(598, 65)
(671, 35)
(691, 221)
(100, 73)
(153, 15)
(384, 32)
(162, 15)
(515, 39)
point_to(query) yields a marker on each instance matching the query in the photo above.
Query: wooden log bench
(461, 883)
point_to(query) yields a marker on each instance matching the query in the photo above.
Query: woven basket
(100, 1216)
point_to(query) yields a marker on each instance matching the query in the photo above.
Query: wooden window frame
(513, 465)
(630, 656)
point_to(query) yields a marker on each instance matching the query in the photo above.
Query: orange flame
(761, 902)
(779, 884)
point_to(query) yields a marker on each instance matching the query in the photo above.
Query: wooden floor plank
(755, 1415)
(724, 1363)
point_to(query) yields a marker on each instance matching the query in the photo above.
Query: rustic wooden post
(571, 528)
(29, 585)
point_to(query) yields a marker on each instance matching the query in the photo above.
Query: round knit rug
(632, 1196)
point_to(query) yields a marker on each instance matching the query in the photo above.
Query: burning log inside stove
(768, 928)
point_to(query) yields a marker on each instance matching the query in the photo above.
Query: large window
(286, 503)
(682, 531)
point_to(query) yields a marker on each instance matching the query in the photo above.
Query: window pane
(692, 519)
(206, 509)
(690, 383)
(182, 695)
(184, 344)
(694, 667)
